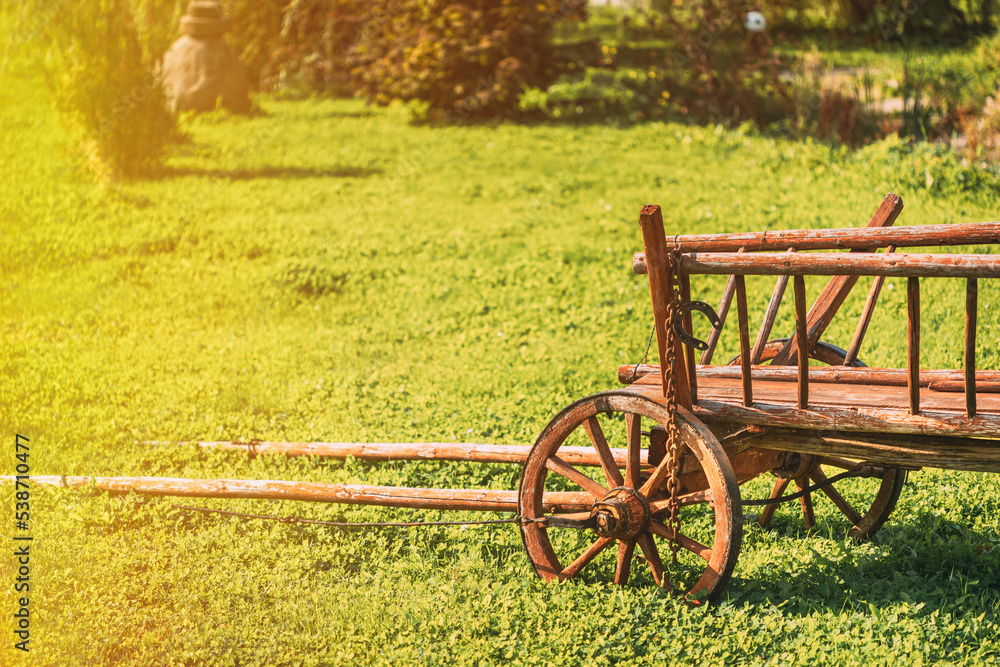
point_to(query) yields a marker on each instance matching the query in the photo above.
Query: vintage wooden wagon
(652, 471)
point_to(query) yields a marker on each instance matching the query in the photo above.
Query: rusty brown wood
(353, 494)
(688, 349)
(913, 342)
(866, 316)
(741, 316)
(722, 312)
(833, 295)
(936, 379)
(898, 265)
(414, 451)
(961, 386)
(661, 291)
(764, 333)
(971, 299)
(891, 449)
(844, 238)
(801, 336)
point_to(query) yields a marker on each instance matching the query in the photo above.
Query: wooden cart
(652, 471)
(695, 432)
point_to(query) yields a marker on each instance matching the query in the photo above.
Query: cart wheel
(711, 528)
(848, 494)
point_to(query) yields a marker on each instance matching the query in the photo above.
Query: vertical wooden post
(741, 315)
(971, 305)
(801, 325)
(722, 311)
(913, 342)
(866, 316)
(661, 290)
(688, 349)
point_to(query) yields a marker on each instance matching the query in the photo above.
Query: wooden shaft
(971, 308)
(722, 312)
(913, 342)
(847, 375)
(799, 288)
(772, 312)
(744, 323)
(351, 494)
(866, 316)
(688, 349)
(846, 264)
(412, 451)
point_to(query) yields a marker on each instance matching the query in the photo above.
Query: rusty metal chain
(673, 433)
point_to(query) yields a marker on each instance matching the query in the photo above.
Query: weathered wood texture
(888, 449)
(744, 325)
(913, 342)
(352, 494)
(934, 379)
(911, 236)
(971, 313)
(898, 265)
(801, 327)
(412, 451)
(661, 288)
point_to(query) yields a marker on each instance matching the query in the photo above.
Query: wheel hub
(622, 514)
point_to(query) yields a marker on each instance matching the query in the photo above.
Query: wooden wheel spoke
(652, 554)
(591, 486)
(624, 563)
(656, 478)
(808, 516)
(695, 547)
(608, 463)
(766, 514)
(633, 424)
(845, 507)
(694, 498)
(581, 562)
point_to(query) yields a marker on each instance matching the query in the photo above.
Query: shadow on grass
(255, 173)
(927, 559)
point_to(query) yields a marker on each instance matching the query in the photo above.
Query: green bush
(105, 85)
(468, 59)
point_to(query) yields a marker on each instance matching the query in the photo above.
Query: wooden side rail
(897, 265)
(912, 236)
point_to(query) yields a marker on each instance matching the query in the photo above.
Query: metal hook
(702, 308)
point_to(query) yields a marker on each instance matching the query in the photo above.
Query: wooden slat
(764, 333)
(898, 265)
(741, 315)
(353, 494)
(913, 342)
(971, 308)
(688, 349)
(799, 288)
(887, 377)
(722, 312)
(866, 316)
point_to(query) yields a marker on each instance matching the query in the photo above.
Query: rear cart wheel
(629, 521)
(850, 496)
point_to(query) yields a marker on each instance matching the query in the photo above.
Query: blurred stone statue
(200, 71)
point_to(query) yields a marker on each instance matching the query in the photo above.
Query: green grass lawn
(327, 271)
